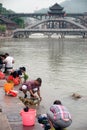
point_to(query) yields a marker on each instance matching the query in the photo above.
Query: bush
(2, 28)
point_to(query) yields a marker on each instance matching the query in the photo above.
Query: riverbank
(5, 37)
(10, 118)
(4, 124)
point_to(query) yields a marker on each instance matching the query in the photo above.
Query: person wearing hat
(33, 87)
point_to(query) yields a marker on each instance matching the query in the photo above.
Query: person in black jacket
(1, 61)
(19, 72)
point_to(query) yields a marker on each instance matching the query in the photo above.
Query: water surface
(62, 65)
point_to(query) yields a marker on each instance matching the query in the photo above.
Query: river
(62, 65)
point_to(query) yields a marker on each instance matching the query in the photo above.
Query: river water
(62, 65)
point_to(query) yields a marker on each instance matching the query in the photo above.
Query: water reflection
(56, 52)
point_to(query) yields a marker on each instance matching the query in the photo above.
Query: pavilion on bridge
(56, 11)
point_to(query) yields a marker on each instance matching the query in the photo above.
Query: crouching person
(9, 89)
(33, 87)
(59, 116)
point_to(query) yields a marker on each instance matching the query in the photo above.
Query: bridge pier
(26, 35)
(18, 35)
(84, 35)
(48, 34)
(62, 35)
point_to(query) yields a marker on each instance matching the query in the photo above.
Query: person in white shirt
(8, 61)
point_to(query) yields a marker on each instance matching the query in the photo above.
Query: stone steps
(4, 124)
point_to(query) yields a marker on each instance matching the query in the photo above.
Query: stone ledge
(4, 124)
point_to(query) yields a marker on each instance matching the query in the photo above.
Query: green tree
(2, 28)
(19, 22)
(0, 8)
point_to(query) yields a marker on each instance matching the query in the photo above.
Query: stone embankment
(4, 124)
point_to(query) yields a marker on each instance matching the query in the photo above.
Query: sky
(28, 6)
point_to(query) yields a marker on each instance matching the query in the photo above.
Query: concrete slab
(4, 124)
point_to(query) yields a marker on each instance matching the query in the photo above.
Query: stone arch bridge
(82, 17)
(63, 26)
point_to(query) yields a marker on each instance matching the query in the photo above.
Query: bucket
(13, 93)
(2, 75)
(28, 118)
(16, 80)
(8, 87)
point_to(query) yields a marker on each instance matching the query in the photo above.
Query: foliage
(44, 10)
(19, 22)
(2, 28)
(4, 10)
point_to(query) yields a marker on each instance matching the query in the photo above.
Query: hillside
(75, 6)
(70, 6)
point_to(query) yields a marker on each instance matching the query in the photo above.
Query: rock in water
(76, 96)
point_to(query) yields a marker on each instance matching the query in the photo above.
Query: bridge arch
(81, 16)
(50, 28)
(58, 20)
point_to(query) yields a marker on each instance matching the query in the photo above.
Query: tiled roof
(6, 20)
(56, 7)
